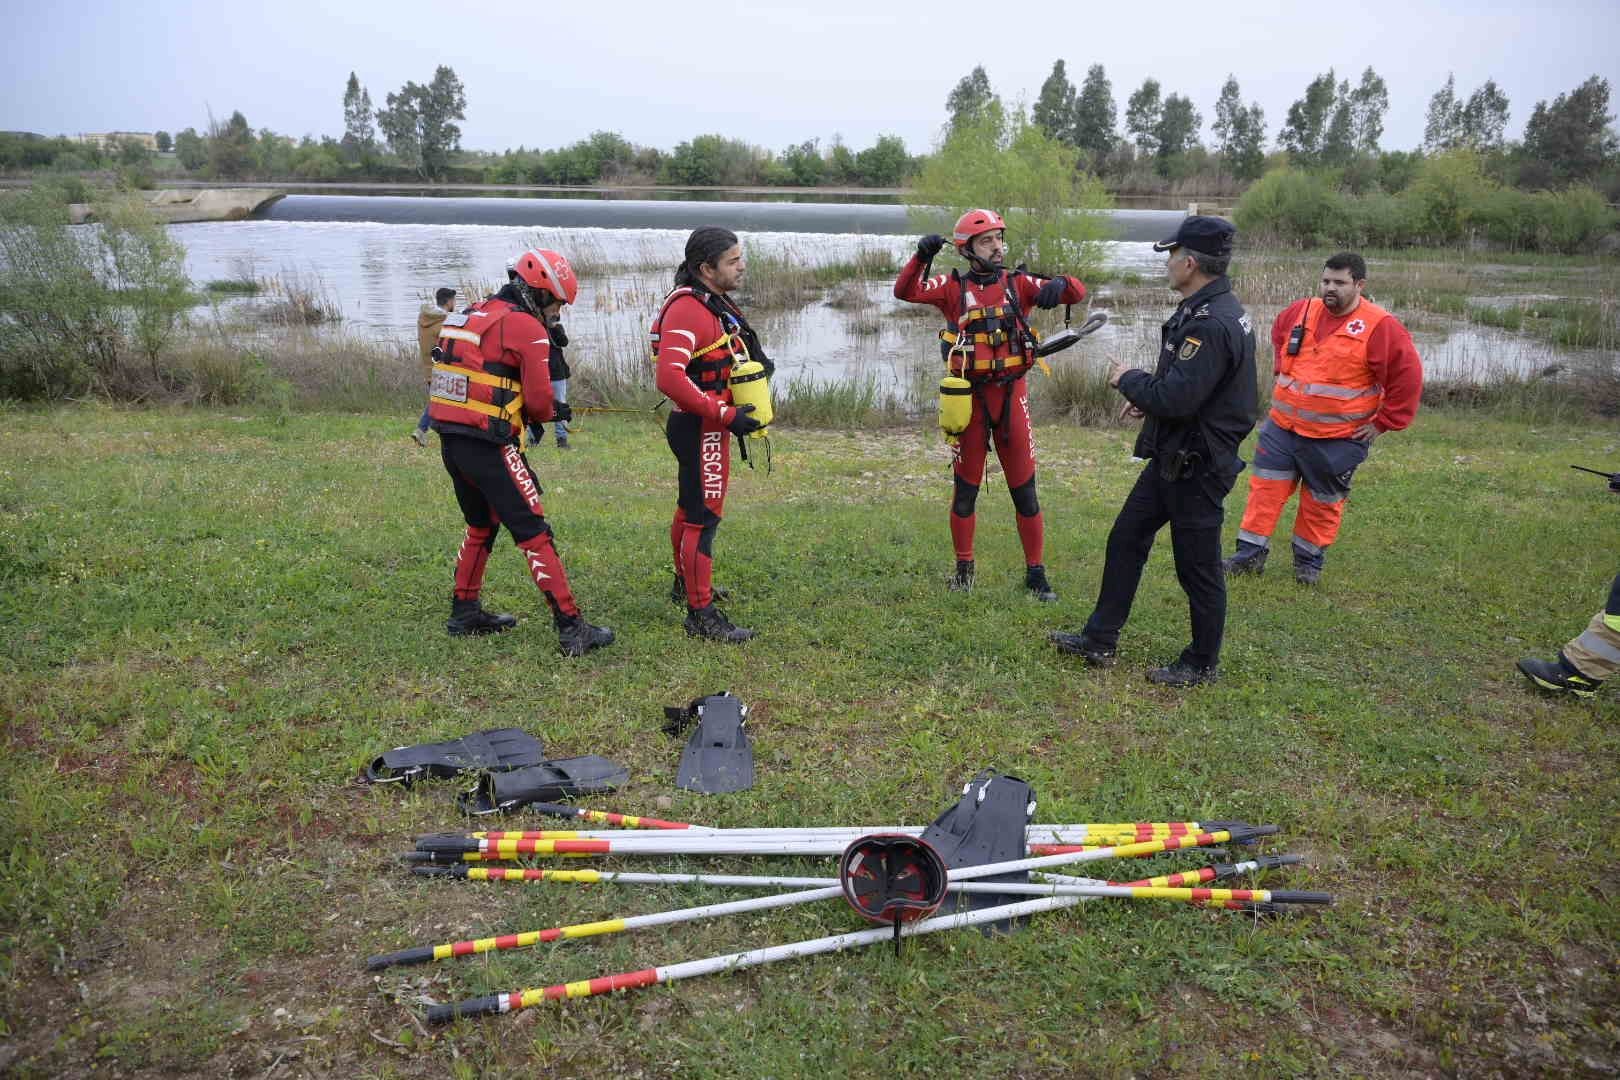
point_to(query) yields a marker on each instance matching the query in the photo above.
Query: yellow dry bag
(955, 405)
(750, 386)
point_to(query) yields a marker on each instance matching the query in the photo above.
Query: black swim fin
(545, 781)
(498, 749)
(719, 757)
(987, 825)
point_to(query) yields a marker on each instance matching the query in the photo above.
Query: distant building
(101, 140)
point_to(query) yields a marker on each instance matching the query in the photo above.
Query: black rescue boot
(1249, 559)
(710, 622)
(1092, 652)
(576, 637)
(1308, 565)
(1558, 676)
(962, 580)
(1035, 581)
(677, 590)
(468, 617)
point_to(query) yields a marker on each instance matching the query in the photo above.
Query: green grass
(212, 619)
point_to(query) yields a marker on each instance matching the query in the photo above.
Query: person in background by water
(427, 336)
(698, 335)
(1199, 406)
(493, 373)
(559, 385)
(987, 341)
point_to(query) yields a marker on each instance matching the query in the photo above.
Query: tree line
(1334, 125)
(416, 134)
(1157, 144)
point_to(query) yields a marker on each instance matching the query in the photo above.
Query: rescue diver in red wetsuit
(698, 334)
(491, 374)
(987, 341)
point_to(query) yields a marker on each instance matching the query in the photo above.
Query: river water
(378, 273)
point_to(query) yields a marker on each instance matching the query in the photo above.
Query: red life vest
(1328, 390)
(991, 336)
(471, 386)
(710, 366)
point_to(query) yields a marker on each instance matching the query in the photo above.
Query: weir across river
(800, 217)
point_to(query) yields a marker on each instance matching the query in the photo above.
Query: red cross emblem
(1356, 326)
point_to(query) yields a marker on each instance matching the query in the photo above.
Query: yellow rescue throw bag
(750, 386)
(955, 405)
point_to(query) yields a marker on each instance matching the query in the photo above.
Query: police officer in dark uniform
(1199, 405)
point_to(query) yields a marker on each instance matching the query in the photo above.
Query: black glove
(929, 246)
(559, 336)
(743, 424)
(1051, 294)
(561, 410)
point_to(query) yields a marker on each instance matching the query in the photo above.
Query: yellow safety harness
(990, 326)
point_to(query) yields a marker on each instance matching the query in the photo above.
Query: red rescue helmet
(542, 269)
(973, 223)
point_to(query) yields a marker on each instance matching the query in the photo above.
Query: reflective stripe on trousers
(1596, 652)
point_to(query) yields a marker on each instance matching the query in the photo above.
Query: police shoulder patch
(1189, 348)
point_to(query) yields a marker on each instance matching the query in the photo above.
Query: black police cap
(1205, 235)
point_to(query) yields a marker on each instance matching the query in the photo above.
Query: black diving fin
(719, 756)
(1062, 339)
(496, 750)
(544, 781)
(988, 824)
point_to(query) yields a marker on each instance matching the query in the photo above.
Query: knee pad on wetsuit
(706, 535)
(965, 496)
(1024, 500)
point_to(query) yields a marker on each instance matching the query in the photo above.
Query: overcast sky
(768, 71)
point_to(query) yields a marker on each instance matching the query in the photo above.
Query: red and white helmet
(542, 269)
(973, 223)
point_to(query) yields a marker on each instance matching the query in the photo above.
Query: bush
(1575, 219)
(1447, 195)
(1382, 220)
(1292, 207)
(86, 311)
(1453, 200)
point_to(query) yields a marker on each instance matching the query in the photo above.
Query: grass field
(212, 620)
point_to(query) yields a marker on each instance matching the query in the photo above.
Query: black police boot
(468, 617)
(1089, 650)
(576, 637)
(677, 590)
(1249, 559)
(710, 622)
(1181, 675)
(1558, 676)
(962, 580)
(1035, 581)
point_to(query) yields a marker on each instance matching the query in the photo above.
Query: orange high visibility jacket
(1328, 390)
